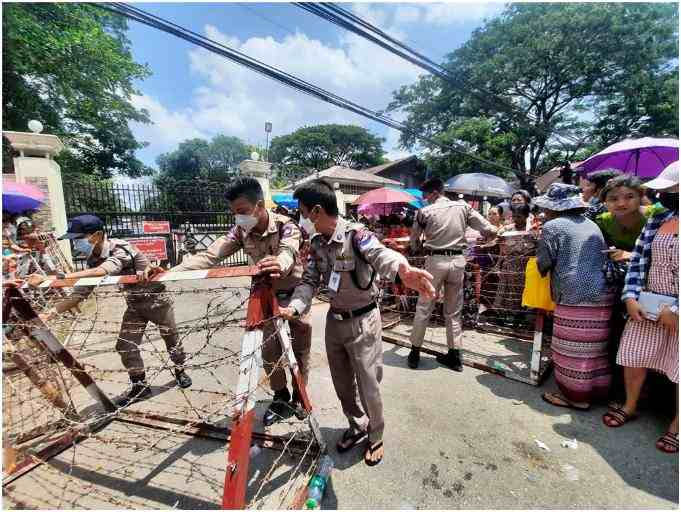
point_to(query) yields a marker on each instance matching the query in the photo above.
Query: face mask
(670, 200)
(83, 247)
(245, 222)
(307, 225)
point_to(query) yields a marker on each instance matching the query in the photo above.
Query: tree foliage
(322, 146)
(70, 67)
(548, 79)
(215, 161)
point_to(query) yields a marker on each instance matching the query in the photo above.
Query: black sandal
(370, 451)
(354, 439)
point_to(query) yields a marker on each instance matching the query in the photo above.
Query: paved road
(468, 441)
(452, 441)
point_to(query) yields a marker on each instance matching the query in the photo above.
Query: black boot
(298, 406)
(183, 380)
(139, 390)
(279, 407)
(414, 358)
(451, 359)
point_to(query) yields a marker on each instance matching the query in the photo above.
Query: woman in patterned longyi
(571, 248)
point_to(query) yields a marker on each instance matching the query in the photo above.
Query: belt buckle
(337, 316)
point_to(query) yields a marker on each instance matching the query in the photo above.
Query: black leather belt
(444, 252)
(346, 315)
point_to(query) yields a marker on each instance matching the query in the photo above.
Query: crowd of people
(610, 252)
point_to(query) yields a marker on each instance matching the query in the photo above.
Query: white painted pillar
(35, 166)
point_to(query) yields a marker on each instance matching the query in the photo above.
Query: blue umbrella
(418, 202)
(18, 197)
(286, 200)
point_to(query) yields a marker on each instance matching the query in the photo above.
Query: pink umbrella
(383, 201)
(645, 157)
(384, 196)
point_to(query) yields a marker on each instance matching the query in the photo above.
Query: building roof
(341, 174)
(542, 182)
(383, 167)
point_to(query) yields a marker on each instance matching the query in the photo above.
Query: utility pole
(268, 130)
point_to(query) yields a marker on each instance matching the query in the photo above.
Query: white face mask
(307, 225)
(245, 222)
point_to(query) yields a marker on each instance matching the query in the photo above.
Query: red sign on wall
(152, 248)
(155, 227)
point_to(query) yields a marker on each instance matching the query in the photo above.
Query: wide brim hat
(560, 197)
(668, 178)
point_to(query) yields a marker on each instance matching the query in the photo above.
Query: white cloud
(168, 129)
(450, 13)
(407, 13)
(236, 101)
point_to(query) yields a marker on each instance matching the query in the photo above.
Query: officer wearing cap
(443, 225)
(145, 302)
(346, 257)
(271, 241)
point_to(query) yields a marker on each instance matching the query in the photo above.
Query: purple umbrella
(644, 157)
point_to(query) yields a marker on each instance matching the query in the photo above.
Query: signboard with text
(153, 248)
(155, 227)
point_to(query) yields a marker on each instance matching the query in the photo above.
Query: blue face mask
(83, 247)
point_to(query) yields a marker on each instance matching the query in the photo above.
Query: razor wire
(211, 341)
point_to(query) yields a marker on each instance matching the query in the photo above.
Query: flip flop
(670, 439)
(370, 451)
(354, 440)
(559, 401)
(619, 416)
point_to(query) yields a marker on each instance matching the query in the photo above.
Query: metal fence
(197, 212)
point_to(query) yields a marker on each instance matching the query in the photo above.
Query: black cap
(83, 225)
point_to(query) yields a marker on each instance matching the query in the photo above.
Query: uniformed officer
(271, 241)
(347, 258)
(443, 223)
(146, 302)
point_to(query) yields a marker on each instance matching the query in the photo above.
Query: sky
(194, 93)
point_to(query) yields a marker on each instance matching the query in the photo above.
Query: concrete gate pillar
(259, 170)
(340, 199)
(35, 166)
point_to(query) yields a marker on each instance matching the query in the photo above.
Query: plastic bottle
(317, 485)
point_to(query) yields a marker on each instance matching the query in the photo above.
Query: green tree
(322, 146)
(70, 66)
(552, 77)
(214, 161)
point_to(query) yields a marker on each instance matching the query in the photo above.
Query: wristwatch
(61, 275)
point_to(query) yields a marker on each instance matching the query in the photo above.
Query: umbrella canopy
(384, 195)
(285, 200)
(478, 184)
(17, 197)
(645, 157)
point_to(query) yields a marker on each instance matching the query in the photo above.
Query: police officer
(271, 241)
(145, 302)
(346, 257)
(443, 223)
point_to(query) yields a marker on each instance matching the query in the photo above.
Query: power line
(287, 79)
(348, 20)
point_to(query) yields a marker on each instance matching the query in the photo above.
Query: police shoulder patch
(365, 239)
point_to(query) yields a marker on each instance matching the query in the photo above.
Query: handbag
(537, 291)
(652, 303)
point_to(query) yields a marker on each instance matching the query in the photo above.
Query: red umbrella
(384, 196)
